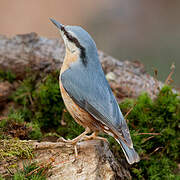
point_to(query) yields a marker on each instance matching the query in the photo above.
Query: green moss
(19, 176)
(48, 103)
(159, 152)
(15, 116)
(3, 123)
(7, 76)
(3, 126)
(13, 149)
(10, 148)
(1, 178)
(41, 100)
(35, 132)
(23, 94)
(31, 171)
(42, 107)
(14, 125)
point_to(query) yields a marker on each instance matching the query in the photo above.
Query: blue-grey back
(89, 88)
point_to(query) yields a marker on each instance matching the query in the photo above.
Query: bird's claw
(94, 136)
(68, 141)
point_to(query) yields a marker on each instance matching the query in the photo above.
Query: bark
(94, 161)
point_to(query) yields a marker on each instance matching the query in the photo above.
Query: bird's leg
(77, 139)
(94, 135)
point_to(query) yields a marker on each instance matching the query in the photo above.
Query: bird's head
(77, 40)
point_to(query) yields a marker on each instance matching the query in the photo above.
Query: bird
(87, 94)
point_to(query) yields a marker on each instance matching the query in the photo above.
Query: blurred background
(148, 31)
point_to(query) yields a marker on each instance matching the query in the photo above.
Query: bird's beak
(57, 24)
(61, 29)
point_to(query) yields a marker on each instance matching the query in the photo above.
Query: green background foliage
(159, 150)
(31, 171)
(7, 75)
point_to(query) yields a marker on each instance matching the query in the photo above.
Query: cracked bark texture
(95, 161)
(30, 51)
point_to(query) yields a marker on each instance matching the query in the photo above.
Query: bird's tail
(130, 153)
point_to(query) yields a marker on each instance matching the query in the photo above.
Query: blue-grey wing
(90, 90)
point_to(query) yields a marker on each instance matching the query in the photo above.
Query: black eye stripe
(78, 45)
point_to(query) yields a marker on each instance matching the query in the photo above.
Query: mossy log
(94, 161)
(30, 51)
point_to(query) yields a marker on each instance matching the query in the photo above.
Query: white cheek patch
(71, 46)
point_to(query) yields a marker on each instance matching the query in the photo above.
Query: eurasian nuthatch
(86, 92)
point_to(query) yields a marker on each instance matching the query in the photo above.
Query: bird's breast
(68, 60)
(81, 116)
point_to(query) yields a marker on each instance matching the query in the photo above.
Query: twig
(155, 73)
(146, 139)
(155, 134)
(24, 94)
(35, 170)
(156, 81)
(3, 117)
(9, 170)
(30, 98)
(169, 79)
(129, 111)
(43, 165)
(63, 123)
(155, 150)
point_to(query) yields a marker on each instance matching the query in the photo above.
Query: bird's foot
(94, 135)
(68, 141)
(75, 140)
